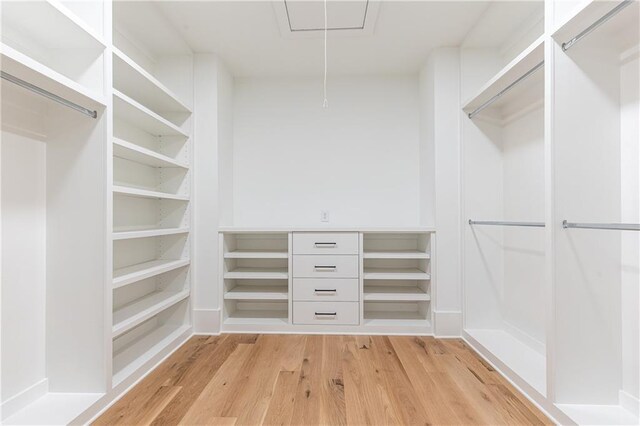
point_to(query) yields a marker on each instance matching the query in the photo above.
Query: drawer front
(326, 313)
(309, 266)
(323, 290)
(325, 243)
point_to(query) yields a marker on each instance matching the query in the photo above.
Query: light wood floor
(329, 380)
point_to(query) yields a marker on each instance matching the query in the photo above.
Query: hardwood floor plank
(283, 399)
(198, 376)
(323, 380)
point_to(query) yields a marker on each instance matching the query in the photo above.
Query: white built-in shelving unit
(393, 291)
(151, 189)
(54, 215)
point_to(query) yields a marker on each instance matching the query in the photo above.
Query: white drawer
(323, 290)
(309, 266)
(325, 243)
(326, 313)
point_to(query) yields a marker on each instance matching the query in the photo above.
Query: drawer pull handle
(325, 267)
(326, 314)
(325, 291)
(325, 245)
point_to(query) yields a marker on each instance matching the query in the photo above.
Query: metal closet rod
(503, 223)
(505, 90)
(48, 95)
(567, 45)
(609, 226)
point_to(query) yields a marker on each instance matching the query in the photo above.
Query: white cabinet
(347, 281)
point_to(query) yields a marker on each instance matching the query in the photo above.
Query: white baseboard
(447, 323)
(206, 321)
(630, 403)
(24, 398)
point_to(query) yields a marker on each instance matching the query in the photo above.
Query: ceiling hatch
(305, 18)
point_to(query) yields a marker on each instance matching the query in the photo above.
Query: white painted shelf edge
(26, 68)
(72, 17)
(257, 273)
(263, 317)
(237, 229)
(395, 274)
(408, 254)
(136, 153)
(395, 293)
(395, 318)
(141, 271)
(256, 254)
(145, 233)
(258, 292)
(146, 82)
(145, 193)
(526, 60)
(140, 310)
(134, 356)
(155, 124)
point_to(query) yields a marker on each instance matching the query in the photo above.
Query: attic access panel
(305, 18)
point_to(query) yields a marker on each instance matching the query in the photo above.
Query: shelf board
(262, 317)
(140, 310)
(258, 292)
(30, 70)
(54, 408)
(257, 273)
(520, 358)
(51, 24)
(141, 271)
(395, 318)
(256, 254)
(145, 233)
(137, 115)
(134, 356)
(530, 57)
(397, 254)
(395, 293)
(395, 274)
(132, 152)
(144, 193)
(135, 81)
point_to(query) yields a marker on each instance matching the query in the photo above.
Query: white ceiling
(247, 36)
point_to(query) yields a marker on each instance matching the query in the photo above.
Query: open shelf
(54, 408)
(140, 310)
(257, 273)
(256, 254)
(141, 271)
(258, 292)
(396, 254)
(395, 318)
(523, 360)
(395, 274)
(128, 110)
(526, 94)
(262, 317)
(32, 71)
(145, 233)
(136, 153)
(144, 193)
(395, 293)
(134, 356)
(131, 78)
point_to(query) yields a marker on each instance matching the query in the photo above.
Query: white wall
(23, 262)
(440, 178)
(358, 158)
(212, 140)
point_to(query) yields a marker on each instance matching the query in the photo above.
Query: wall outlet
(324, 216)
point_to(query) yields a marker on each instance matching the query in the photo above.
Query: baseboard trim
(24, 398)
(206, 321)
(630, 403)
(447, 324)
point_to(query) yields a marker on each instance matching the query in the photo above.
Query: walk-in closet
(320, 212)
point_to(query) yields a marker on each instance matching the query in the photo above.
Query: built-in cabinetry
(332, 281)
